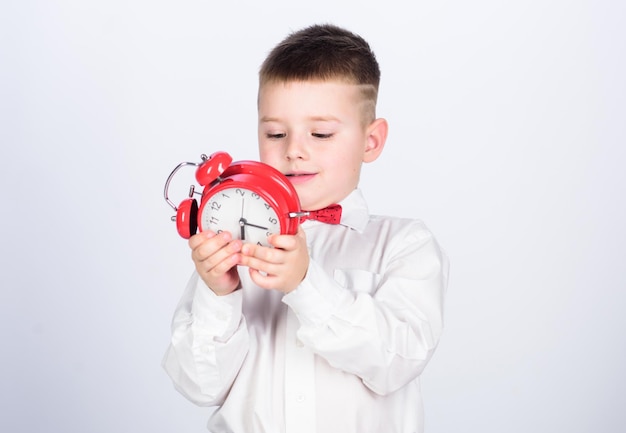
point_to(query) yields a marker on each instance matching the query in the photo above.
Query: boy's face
(314, 133)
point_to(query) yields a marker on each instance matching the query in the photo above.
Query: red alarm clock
(250, 199)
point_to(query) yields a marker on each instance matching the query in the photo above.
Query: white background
(507, 138)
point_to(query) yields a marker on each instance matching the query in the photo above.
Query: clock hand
(242, 227)
(242, 222)
(253, 225)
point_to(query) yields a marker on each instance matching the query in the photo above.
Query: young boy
(329, 330)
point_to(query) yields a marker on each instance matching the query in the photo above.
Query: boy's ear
(376, 138)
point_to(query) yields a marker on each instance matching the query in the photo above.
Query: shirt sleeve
(208, 345)
(387, 335)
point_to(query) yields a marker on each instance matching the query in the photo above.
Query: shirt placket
(299, 382)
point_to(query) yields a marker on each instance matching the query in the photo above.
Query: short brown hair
(324, 52)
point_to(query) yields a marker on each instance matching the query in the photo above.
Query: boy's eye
(275, 136)
(320, 135)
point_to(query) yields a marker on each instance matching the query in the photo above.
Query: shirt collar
(354, 211)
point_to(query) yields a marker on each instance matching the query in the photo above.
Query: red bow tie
(328, 215)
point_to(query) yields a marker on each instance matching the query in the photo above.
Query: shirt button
(300, 398)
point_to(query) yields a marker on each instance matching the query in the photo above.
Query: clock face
(242, 212)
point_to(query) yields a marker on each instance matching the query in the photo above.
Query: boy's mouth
(297, 178)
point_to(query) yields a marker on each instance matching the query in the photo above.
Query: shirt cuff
(218, 316)
(317, 298)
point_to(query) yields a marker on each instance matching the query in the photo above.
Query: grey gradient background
(507, 138)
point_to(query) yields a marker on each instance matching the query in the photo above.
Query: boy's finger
(199, 238)
(208, 247)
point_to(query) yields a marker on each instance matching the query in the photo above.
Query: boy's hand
(216, 257)
(282, 267)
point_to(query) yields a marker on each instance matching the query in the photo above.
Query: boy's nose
(295, 149)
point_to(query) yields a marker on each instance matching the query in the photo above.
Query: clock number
(272, 220)
(240, 191)
(267, 206)
(215, 205)
(214, 220)
(255, 195)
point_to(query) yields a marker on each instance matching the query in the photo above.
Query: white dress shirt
(341, 353)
